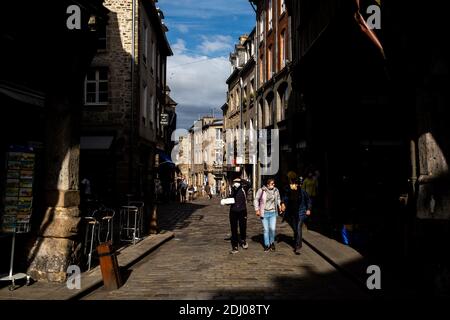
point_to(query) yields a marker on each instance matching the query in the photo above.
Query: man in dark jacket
(298, 206)
(238, 216)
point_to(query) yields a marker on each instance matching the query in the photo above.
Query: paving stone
(197, 263)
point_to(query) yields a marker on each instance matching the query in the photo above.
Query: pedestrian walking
(310, 185)
(208, 191)
(238, 217)
(267, 205)
(223, 191)
(298, 207)
(183, 189)
(191, 192)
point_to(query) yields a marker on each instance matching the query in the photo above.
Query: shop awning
(22, 95)
(96, 142)
(164, 158)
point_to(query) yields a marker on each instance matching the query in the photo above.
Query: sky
(202, 34)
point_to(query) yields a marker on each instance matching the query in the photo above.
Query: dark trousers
(298, 221)
(238, 218)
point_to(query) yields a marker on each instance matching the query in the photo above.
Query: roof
(170, 101)
(154, 16)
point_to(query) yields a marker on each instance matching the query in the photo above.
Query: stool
(130, 223)
(105, 218)
(91, 228)
(140, 206)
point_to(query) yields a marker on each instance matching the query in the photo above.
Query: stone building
(259, 90)
(40, 98)
(240, 112)
(184, 156)
(273, 73)
(212, 146)
(375, 116)
(200, 153)
(125, 95)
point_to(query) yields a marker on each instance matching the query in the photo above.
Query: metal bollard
(109, 266)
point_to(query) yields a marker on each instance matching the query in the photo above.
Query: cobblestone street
(196, 264)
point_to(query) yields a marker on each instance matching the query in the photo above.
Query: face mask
(270, 187)
(293, 186)
(236, 185)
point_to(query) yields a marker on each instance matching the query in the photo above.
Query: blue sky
(202, 34)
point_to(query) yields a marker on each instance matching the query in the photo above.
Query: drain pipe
(413, 154)
(133, 28)
(256, 123)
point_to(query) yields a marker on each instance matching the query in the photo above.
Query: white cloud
(183, 28)
(179, 47)
(197, 83)
(203, 9)
(215, 43)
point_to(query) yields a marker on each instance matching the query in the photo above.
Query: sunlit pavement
(196, 264)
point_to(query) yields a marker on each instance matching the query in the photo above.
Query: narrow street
(127, 105)
(196, 264)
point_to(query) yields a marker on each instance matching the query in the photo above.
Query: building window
(96, 87)
(283, 6)
(101, 39)
(157, 116)
(261, 70)
(145, 105)
(246, 102)
(261, 28)
(163, 72)
(286, 47)
(269, 63)
(269, 110)
(152, 110)
(283, 48)
(145, 43)
(285, 99)
(152, 68)
(157, 66)
(282, 102)
(270, 15)
(218, 157)
(218, 134)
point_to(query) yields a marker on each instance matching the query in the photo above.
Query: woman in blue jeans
(267, 205)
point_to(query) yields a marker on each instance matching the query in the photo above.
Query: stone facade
(261, 78)
(201, 152)
(52, 81)
(136, 96)
(184, 155)
(274, 74)
(213, 153)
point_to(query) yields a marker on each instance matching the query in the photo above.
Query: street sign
(164, 120)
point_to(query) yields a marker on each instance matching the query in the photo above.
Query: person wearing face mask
(267, 205)
(238, 216)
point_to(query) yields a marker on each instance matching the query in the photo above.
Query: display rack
(21, 227)
(17, 200)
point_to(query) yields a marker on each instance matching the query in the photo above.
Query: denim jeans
(269, 223)
(298, 222)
